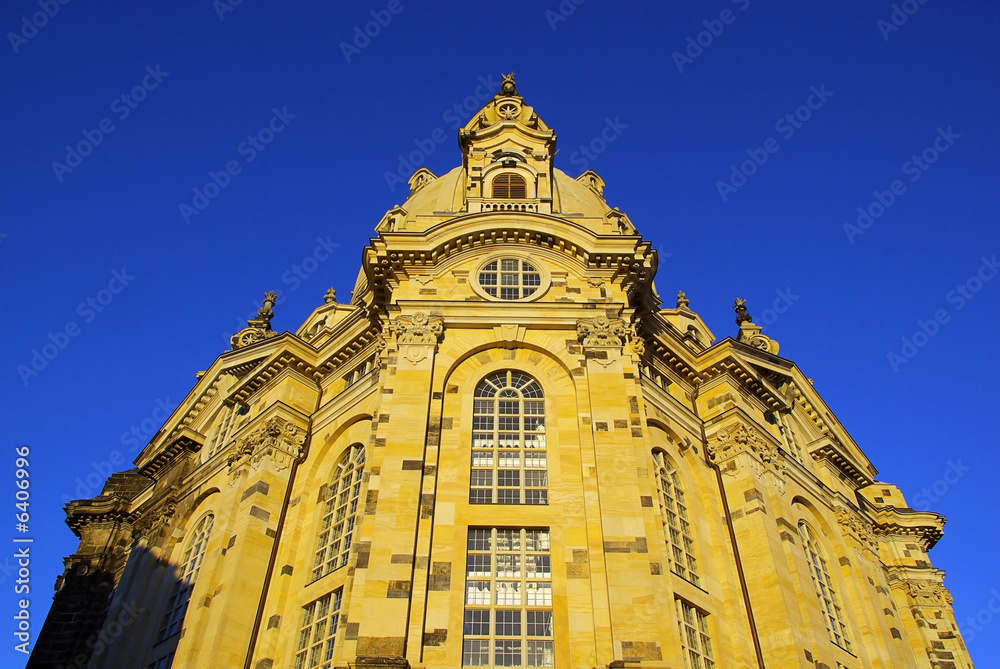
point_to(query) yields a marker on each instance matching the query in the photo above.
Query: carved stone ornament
(732, 441)
(682, 300)
(277, 439)
(750, 334)
(862, 531)
(600, 331)
(740, 307)
(635, 340)
(418, 329)
(508, 87)
(258, 328)
(151, 525)
(928, 593)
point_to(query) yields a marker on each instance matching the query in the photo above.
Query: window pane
(507, 654)
(477, 592)
(476, 653)
(508, 623)
(541, 654)
(539, 623)
(477, 623)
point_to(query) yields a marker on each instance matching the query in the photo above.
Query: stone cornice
(924, 525)
(389, 256)
(828, 449)
(183, 440)
(288, 352)
(102, 509)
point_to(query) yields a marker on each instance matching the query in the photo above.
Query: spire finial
(682, 300)
(266, 311)
(330, 297)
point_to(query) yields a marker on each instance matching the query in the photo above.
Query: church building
(504, 450)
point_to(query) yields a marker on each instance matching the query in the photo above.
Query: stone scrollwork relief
(277, 439)
(419, 329)
(636, 342)
(416, 335)
(852, 524)
(732, 441)
(152, 523)
(928, 593)
(600, 331)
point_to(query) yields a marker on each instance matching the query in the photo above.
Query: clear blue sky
(927, 89)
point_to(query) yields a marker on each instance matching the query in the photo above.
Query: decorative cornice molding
(632, 260)
(925, 526)
(827, 448)
(184, 440)
(103, 509)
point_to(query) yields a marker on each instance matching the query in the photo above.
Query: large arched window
(510, 186)
(508, 441)
(336, 530)
(190, 564)
(676, 527)
(819, 571)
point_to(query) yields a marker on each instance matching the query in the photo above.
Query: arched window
(337, 527)
(509, 278)
(676, 527)
(508, 441)
(190, 564)
(510, 187)
(823, 584)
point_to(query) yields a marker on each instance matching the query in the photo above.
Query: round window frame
(546, 277)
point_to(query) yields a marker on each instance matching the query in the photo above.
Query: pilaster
(389, 543)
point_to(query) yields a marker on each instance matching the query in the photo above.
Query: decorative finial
(508, 87)
(258, 328)
(266, 312)
(330, 297)
(682, 300)
(740, 307)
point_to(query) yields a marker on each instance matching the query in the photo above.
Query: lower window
(696, 642)
(319, 631)
(508, 600)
